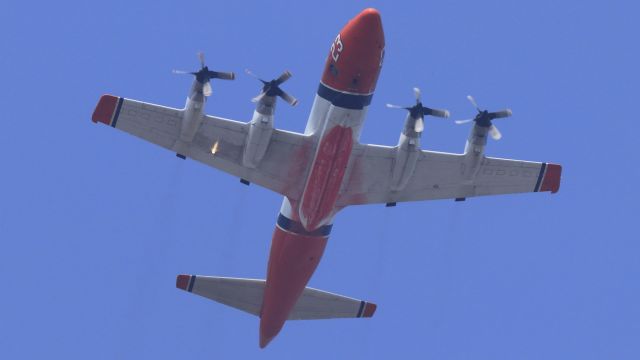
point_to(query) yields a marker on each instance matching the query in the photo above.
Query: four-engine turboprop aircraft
(321, 171)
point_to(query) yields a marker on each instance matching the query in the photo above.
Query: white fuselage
(334, 129)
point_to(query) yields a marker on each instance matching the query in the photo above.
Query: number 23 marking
(336, 48)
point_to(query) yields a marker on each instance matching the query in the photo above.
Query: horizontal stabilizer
(246, 295)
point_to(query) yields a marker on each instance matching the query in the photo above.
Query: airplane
(322, 170)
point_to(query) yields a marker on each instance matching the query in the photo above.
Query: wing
(440, 175)
(218, 143)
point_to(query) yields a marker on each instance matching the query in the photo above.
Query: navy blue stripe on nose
(344, 100)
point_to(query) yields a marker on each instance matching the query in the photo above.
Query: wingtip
(551, 180)
(105, 109)
(182, 281)
(369, 310)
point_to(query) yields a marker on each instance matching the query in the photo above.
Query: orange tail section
(292, 261)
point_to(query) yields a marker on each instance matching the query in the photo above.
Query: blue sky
(95, 224)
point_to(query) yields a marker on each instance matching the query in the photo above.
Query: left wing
(218, 143)
(440, 175)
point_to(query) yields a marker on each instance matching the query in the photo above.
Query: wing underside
(218, 142)
(439, 175)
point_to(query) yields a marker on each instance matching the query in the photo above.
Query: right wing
(287, 156)
(440, 175)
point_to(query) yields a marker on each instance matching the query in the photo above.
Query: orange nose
(356, 55)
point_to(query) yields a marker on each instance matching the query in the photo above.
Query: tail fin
(246, 295)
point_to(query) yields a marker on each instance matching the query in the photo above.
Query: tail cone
(266, 335)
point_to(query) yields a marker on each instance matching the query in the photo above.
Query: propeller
(418, 111)
(272, 88)
(484, 118)
(204, 75)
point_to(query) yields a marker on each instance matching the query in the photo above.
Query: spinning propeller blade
(250, 73)
(204, 75)
(284, 77)
(501, 114)
(418, 111)
(495, 133)
(206, 89)
(259, 97)
(437, 113)
(419, 126)
(483, 118)
(473, 102)
(417, 93)
(289, 99)
(272, 88)
(223, 75)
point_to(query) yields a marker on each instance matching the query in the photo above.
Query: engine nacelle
(474, 150)
(407, 154)
(260, 131)
(192, 117)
